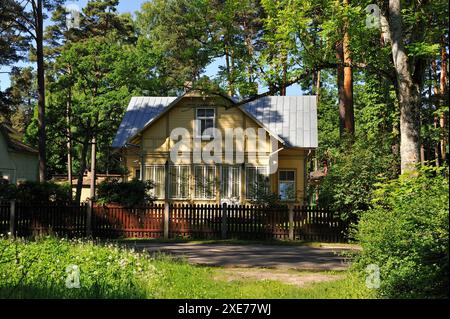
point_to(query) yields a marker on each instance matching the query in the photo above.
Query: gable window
(179, 181)
(286, 185)
(156, 174)
(257, 182)
(205, 119)
(230, 182)
(205, 182)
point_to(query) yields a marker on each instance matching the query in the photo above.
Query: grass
(38, 269)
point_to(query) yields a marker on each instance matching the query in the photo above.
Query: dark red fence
(67, 221)
(119, 222)
(184, 221)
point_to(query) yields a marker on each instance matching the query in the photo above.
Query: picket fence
(174, 221)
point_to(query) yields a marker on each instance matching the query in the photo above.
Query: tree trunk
(408, 93)
(345, 81)
(340, 86)
(435, 91)
(69, 142)
(444, 100)
(93, 165)
(283, 88)
(83, 162)
(318, 86)
(348, 80)
(41, 92)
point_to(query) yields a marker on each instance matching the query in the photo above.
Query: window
(206, 119)
(257, 182)
(156, 174)
(205, 182)
(137, 174)
(230, 182)
(179, 182)
(286, 185)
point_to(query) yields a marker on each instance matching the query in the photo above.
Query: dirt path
(299, 279)
(256, 256)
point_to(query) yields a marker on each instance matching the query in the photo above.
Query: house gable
(292, 120)
(154, 138)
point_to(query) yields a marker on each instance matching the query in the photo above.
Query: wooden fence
(175, 221)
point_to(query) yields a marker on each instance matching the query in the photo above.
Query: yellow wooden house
(220, 160)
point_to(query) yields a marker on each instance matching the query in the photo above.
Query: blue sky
(132, 6)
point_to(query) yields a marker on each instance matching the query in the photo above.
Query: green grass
(37, 269)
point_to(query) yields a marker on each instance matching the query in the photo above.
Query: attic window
(205, 119)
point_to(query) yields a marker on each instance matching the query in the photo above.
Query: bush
(36, 193)
(352, 176)
(406, 235)
(128, 194)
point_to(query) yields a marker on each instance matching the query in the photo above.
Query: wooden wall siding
(185, 221)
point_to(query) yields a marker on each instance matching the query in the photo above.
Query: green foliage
(352, 176)
(36, 193)
(128, 194)
(407, 235)
(38, 269)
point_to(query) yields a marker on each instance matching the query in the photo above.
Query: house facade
(213, 150)
(18, 162)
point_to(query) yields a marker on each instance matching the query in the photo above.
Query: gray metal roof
(291, 118)
(140, 111)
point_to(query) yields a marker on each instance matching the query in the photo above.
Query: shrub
(406, 235)
(36, 193)
(352, 176)
(128, 194)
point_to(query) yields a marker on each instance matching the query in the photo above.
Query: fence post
(90, 208)
(291, 221)
(166, 219)
(224, 228)
(12, 218)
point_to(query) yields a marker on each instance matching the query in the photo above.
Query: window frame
(204, 175)
(229, 185)
(163, 182)
(198, 120)
(179, 188)
(257, 168)
(294, 182)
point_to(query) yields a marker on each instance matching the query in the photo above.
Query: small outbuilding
(19, 162)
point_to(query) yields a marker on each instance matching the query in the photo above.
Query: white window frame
(285, 181)
(257, 168)
(198, 120)
(229, 186)
(178, 169)
(154, 168)
(204, 175)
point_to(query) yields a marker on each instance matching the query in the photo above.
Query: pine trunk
(41, 92)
